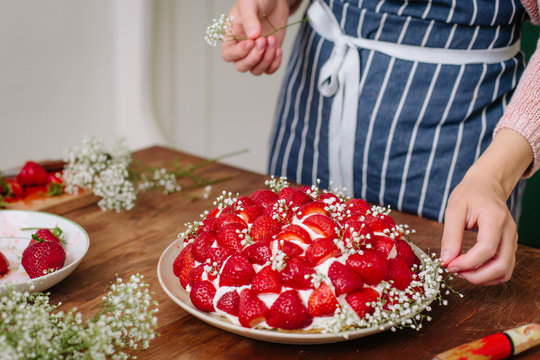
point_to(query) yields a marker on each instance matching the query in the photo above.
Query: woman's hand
(479, 201)
(253, 19)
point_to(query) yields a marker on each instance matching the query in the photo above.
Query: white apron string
(340, 77)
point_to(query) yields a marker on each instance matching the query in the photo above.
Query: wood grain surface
(132, 242)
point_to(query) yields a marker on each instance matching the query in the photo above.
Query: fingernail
(271, 41)
(248, 45)
(260, 43)
(460, 276)
(251, 32)
(444, 255)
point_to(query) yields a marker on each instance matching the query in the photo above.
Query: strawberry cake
(304, 259)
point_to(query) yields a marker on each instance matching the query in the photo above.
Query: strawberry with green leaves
(42, 258)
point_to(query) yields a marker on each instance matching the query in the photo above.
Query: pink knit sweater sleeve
(523, 112)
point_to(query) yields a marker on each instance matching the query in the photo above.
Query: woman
(398, 101)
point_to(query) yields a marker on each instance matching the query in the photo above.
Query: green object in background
(530, 210)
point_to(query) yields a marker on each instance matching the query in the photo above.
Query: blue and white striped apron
(419, 121)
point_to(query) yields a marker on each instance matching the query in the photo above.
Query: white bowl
(13, 241)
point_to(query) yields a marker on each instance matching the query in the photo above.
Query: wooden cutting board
(55, 204)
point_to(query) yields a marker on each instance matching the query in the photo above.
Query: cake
(303, 259)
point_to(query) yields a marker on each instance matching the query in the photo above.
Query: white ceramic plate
(171, 285)
(13, 241)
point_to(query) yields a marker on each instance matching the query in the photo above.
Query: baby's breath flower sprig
(32, 328)
(222, 29)
(117, 179)
(277, 184)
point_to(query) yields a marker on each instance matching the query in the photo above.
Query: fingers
(267, 59)
(253, 57)
(500, 268)
(454, 225)
(493, 228)
(277, 62)
(232, 51)
(249, 12)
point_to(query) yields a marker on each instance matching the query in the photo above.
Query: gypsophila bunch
(32, 328)
(222, 29)
(117, 180)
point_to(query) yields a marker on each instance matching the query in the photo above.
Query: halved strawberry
(237, 271)
(405, 253)
(4, 265)
(250, 212)
(217, 255)
(356, 229)
(344, 278)
(15, 190)
(183, 264)
(251, 310)
(290, 249)
(264, 228)
(322, 224)
(229, 303)
(226, 218)
(330, 198)
(322, 301)
(244, 201)
(230, 236)
(202, 295)
(297, 273)
(359, 300)
(377, 224)
(314, 207)
(258, 253)
(357, 206)
(209, 224)
(384, 244)
(201, 244)
(195, 275)
(266, 281)
(285, 192)
(371, 265)
(288, 312)
(265, 198)
(297, 198)
(293, 232)
(399, 272)
(321, 250)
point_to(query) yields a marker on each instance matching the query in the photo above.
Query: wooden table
(132, 242)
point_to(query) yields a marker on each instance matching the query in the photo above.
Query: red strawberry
(285, 192)
(290, 249)
(288, 312)
(230, 236)
(344, 278)
(314, 207)
(250, 212)
(258, 253)
(32, 174)
(183, 264)
(294, 232)
(201, 244)
(4, 265)
(244, 201)
(388, 219)
(266, 281)
(322, 224)
(213, 213)
(15, 189)
(195, 275)
(38, 259)
(226, 218)
(329, 198)
(322, 301)
(218, 254)
(405, 253)
(265, 198)
(202, 295)
(377, 224)
(209, 224)
(399, 272)
(357, 206)
(229, 303)
(371, 265)
(384, 244)
(321, 250)
(363, 232)
(297, 273)
(251, 310)
(358, 300)
(237, 271)
(297, 198)
(264, 228)
(46, 235)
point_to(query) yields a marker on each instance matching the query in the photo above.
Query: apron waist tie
(340, 77)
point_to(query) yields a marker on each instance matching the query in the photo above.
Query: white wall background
(133, 68)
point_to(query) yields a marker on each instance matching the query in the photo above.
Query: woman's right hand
(257, 54)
